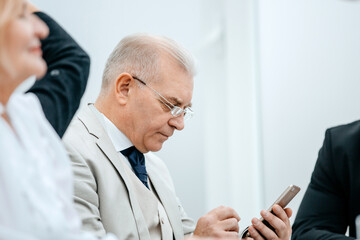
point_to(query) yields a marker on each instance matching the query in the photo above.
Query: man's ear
(122, 87)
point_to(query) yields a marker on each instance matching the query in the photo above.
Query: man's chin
(156, 148)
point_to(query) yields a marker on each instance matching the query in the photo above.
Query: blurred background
(272, 76)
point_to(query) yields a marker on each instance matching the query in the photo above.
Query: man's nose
(177, 122)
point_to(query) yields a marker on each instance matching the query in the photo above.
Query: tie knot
(134, 156)
(137, 161)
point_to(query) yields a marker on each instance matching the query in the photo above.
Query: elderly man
(120, 186)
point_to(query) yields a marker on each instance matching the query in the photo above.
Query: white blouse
(36, 182)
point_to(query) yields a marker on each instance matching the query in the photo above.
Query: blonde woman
(35, 175)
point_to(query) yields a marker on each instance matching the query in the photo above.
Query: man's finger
(280, 213)
(288, 212)
(254, 234)
(263, 229)
(278, 224)
(230, 224)
(223, 213)
(231, 235)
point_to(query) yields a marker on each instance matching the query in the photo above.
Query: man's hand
(219, 223)
(279, 220)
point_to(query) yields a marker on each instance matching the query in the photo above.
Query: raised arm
(61, 89)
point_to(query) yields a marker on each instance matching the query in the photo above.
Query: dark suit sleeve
(322, 213)
(61, 89)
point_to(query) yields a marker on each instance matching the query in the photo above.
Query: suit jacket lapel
(169, 202)
(90, 118)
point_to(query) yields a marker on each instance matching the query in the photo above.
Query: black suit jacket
(332, 200)
(61, 89)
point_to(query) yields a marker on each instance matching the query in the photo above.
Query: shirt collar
(119, 140)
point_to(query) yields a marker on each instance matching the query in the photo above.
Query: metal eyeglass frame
(174, 110)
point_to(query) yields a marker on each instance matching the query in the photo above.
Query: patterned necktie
(137, 161)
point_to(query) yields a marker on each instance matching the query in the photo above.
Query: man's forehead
(175, 83)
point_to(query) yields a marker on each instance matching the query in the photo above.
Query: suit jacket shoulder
(345, 138)
(330, 203)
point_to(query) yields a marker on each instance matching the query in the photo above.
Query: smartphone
(282, 201)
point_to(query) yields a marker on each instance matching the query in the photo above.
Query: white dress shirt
(36, 182)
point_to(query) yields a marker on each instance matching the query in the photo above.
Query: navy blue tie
(137, 161)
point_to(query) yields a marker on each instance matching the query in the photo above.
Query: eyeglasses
(174, 110)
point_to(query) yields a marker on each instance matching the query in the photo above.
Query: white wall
(273, 75)
(310, 56)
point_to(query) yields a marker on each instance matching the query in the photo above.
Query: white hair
(139, 55)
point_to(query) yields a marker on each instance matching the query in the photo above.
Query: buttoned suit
(105, 196)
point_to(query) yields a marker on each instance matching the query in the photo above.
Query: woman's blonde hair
(9, 9)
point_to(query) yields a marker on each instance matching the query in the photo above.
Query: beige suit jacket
(104, 195)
